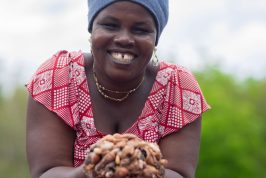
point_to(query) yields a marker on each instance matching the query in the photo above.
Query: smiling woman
(78, 98)
(122, 44)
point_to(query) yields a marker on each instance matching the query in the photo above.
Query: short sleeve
(184, 101)
(53, 85)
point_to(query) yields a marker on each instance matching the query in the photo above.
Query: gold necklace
(101, 89)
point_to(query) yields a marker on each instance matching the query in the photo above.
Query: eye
(141, 30)
(110, 26)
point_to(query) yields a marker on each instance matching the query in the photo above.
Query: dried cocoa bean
(121, 172)
(124, 156)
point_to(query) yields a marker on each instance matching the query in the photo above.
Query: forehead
(126, 9)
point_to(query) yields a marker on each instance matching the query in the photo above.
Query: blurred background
(223, 42)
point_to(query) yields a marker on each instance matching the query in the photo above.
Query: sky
(227, 33)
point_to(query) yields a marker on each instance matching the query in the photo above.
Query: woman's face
(123, 38)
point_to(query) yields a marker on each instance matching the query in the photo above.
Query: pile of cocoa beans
(124, 155)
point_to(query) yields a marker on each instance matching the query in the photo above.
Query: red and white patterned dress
(60, 84)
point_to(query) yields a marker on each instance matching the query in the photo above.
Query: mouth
(122, 58)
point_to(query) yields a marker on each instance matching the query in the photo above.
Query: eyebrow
(141, 22)
(144, 23)
(109, 17)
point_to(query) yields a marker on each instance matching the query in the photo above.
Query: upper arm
(181, 149)
(49, 140)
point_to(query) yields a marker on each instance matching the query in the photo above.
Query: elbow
(35, 174)
(180, 173)
(38, 172)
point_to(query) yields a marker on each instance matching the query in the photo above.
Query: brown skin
(181, 150)
(127, 28)
(50, 141)
(50, 147)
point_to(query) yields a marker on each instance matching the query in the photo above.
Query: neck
(118, 83)
(116, 95)
(100, 86)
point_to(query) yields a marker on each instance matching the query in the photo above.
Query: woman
(77, 98)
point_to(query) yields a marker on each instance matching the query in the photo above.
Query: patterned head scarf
(157, 8)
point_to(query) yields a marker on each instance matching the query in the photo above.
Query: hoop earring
(155, 60)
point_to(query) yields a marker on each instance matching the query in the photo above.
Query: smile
(122, 58)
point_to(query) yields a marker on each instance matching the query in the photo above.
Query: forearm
(172, 174)
(67, 172)
(64, 172)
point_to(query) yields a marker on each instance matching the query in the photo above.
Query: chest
(110, 117)
(117, 117)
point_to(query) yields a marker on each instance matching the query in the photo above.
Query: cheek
(148, 40)
(99, 38)
(147, 46)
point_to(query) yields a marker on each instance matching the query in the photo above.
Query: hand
(122, 156)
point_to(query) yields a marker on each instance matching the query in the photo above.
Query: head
(157, 8)
(123, 36)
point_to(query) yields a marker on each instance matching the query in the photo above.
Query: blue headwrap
(157, 8)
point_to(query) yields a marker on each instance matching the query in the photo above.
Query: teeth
(123, 58)
(128, 57)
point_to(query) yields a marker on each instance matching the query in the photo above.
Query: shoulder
(62, 59)
(174, 69)
(60, 65)
(170, 73)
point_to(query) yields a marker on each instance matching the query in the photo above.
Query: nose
(124, 39)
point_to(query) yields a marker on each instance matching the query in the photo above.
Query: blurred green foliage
(12, 135)
(233, 131)
(233, 135)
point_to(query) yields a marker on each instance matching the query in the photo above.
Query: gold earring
(155, 60)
